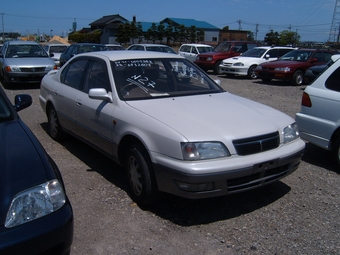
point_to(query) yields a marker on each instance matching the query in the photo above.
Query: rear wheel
(141, 179)
(54, 127)
(251, 72)
(298, 78)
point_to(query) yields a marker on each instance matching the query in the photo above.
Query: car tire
(217, 68)
(298, 78)
(142, 182)
(54, 127)
(336, 153)
(251, 72)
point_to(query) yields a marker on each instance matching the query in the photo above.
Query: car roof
(22, 42)
(122, 55)
(151, 44)
(196, 44)
(274, 47)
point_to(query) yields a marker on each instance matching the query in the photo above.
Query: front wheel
(217, 68)
(54, 127)
(142, 182)
(251, 72)
(298, 78)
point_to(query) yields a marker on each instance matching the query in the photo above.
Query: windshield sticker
(134, 63)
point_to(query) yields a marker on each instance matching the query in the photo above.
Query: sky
(311, 19)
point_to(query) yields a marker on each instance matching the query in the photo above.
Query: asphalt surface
(297, 215)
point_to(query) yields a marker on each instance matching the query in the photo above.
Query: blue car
(36, 216)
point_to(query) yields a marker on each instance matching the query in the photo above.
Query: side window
(69, 50)
(332, 81)
(185, 48)
(96, 77)
(273, 53)
(327, 56)
(318, 56)
(194, 50)
(283, 51)
(240, 47)
(73, 73)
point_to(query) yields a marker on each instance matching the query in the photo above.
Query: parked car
(246, 63)
(36, 216)
(78, 48)
(212, 60)
(152, 47)
(23, 62)
(115, 46)
(190, 51)
(318, 119)
(293, 65)
(56, 49)
(313, 72)
(155, 114)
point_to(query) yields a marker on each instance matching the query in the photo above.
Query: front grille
(32, 69)
(257, 144)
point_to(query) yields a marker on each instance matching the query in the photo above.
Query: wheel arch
(334, 138)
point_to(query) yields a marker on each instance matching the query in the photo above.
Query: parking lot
(297, 215)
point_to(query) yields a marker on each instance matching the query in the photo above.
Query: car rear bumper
(194, 186)
(51, 234)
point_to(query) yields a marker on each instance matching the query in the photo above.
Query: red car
(212, 60)
(293, 65)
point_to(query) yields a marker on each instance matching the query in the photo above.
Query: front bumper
(51, 234)
(230, 181)
(286, 76)
(24, 77)
(233, 70)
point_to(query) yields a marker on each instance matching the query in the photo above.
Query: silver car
(56, 50)
(23, 62)
(169, 125)
(319, 119)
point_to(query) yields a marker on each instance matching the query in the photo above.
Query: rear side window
(185, 48)
(332, 82)
(72, 75)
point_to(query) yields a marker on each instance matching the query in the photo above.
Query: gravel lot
(298, 215)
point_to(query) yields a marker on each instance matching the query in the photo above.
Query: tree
(289, 38)
(272, 38)
(160, 32)
(124, 35)
(200, 35)
(153, 33)
(192, 34)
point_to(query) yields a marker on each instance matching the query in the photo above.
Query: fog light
(195, 187)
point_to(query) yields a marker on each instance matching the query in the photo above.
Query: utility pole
(256, 31)
(239, 24)
(334, 30)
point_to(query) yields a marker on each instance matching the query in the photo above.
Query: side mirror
(100, 94)
(22, 101)
(267, 56)
(51, 55)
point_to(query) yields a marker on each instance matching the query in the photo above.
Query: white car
(319, 118)
(152, 47)
(169, 124)
(246, 63)
(56, 50)
(191, 50)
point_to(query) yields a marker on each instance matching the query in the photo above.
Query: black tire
(144, 190)
(265, 80)
(251, 72)
(297, 78)
(336, 154)
(217, 67)
(54, 127)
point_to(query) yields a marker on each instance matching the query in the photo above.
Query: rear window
(332, 81)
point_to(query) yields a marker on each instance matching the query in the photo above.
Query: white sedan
(169, 125)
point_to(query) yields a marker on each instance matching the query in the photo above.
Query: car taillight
(306, 100)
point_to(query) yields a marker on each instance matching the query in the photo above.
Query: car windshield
(203, 49)
(58, 49)
(223, 47)
(297, 55)
(138, 79)
(25, 51)
(254, 53)
(160, 49)
(91, 48)
(5, 111)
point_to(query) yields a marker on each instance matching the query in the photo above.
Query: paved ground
(298, 215)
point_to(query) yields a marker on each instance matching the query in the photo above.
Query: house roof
(108, 19)
(190, 22)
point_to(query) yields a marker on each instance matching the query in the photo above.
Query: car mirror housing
(100, 94)
(22, 101)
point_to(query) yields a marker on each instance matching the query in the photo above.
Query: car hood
(30, 62)
(21, 165)
(214, 117)
(240, 59)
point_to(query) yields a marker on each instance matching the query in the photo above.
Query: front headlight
(204, 150)
(238, 64)
(12, 69)
(49, 68)
(209, 59)
(282, 69)
(34, 203)
(309, 72)
(290, 133)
